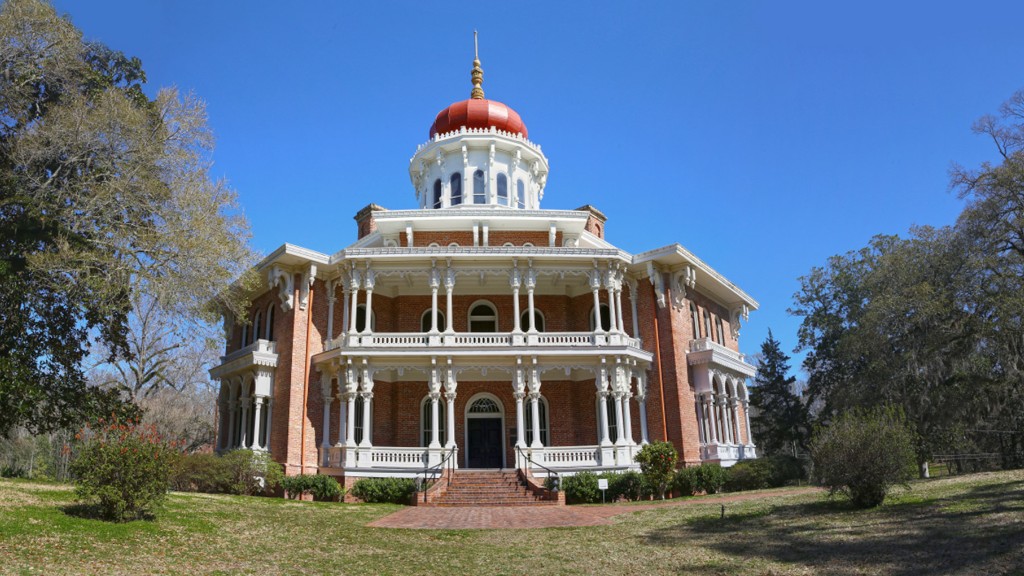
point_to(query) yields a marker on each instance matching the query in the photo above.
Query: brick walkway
(540, 517)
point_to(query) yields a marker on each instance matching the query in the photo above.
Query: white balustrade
(481, 339)
(702, 344)
(396, 457)
(265, 346)
(570, 456)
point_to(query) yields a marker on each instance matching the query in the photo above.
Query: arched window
(524, 320)
(606, 319)
(520, 194)
(721, 330)
(245, 335)
(456, 182)
(502, 189)
(357, 435)
(483, 318)
(542, 411)
(479, 190)
(361, 319)
(270, 324)
(427, 424)
(696, 321)
(425, 321)
(484, 405)
(257, 324)
(437, 193)
(707, 324)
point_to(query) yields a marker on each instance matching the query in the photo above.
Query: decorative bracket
(308, 277)
(285, 282)
(741, 311)
(654, 275)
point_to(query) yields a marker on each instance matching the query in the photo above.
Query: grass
(958, 525)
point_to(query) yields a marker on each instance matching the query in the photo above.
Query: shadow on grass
(94, 512)
(979, 530)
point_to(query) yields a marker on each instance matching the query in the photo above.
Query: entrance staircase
(487, 488)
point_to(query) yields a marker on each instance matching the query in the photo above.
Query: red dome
(478, 113)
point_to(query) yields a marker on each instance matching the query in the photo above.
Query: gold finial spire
(478, 72)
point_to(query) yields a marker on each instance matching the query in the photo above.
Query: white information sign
(602, 484)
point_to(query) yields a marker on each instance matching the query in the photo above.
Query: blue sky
(763, 136)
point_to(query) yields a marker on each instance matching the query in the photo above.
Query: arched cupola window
(479, 190)
(502, 189)
(456, 183)
(520, 194)
(437, 193)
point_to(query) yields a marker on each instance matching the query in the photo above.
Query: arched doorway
(485, 432)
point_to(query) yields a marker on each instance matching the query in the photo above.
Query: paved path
(542, 516)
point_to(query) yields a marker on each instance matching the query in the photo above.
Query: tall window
(257, 323)
(425, 321)
(479, 190)
(357, 435)
(245, 335)
(502, 189)
(427, 423)
(542, 412)
(437, 193)
(483, 318)
(520, 194)
(695, 320)
(524, 320)
(606, 318)
(721, 330)
(270, 324)
(707, 324)
(613, 426)
(456, 182)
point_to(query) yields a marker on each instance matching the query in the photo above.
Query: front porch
(408, 462)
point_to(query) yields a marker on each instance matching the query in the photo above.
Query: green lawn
(959, 525)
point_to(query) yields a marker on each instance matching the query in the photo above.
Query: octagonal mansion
(480, 331)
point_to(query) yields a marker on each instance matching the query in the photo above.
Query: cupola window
(520, 194)
(479, 192)
(456, 189)
(437, 193)
(502, 190)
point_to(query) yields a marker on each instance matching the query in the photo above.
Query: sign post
(602, 484)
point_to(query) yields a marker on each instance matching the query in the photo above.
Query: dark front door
(484, 450)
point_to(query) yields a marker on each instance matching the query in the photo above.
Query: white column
(531, 284)
(342, 416)
(270, 420)
(702, 429)
(618, 306)
(433, 300)
(367, 410)
(325, 443)
(621, 440)
(520, 418)
(369, 282)
(515, 301)
(435, 426)
(602, 413)
(350, 434)
(535, 413)
(612, 316)
(627, 418)
(595, 287)
(258, 424)
(632, 303)
(642, 400)
(450, 413)
(711, 413)
(734, 421)
(354, 289)
(245, 422)
(449, 289)
(344, 309)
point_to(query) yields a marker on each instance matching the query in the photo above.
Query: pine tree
(781, 422)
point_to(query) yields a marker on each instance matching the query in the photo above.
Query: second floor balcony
(483, 340)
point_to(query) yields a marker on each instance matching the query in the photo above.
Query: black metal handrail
(550, 472)
(432, 472)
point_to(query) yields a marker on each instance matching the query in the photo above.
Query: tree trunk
(922, 469)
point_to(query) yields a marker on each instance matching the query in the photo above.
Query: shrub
(321, 486)
(628, 485)
(750, 475)
(201, 472)
(122, 469)
(384, 490)
(709, 478)
(863, 454)
(581, 488)
(658, 463)
(251, 472)
(684, 481)
(11, 471)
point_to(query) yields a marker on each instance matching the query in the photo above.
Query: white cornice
(714, 284)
